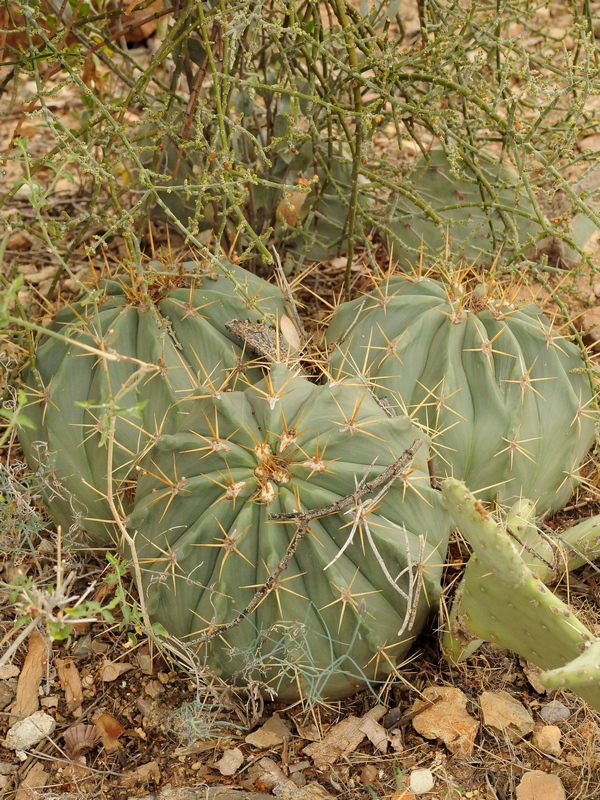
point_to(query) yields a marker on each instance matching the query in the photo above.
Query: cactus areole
(93, 416)
(361, 583)
(504, 396)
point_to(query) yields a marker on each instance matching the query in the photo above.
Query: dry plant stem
(118, 519)
(303, 519)
(287, 290)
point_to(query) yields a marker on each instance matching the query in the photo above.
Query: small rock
(590, 323)
(9, 671)
(505, 714)
(232, 760)
(271, 734)
(368, 774)
(267, 773)
(421, 781)
(154, 689)
(537, 785)
(554, 711)
(447, 720)
(30, 731)
(547, 739)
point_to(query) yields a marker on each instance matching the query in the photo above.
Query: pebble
(29, 731)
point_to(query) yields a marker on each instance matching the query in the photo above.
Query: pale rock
(9, 671)
(537, 785)
(590, 323)
(231, 761)
(154, 689)
(447, 719)
(271, 734)
(267, 772)
(421, 781)
(30, 731)
(505, 714)
(289, 791)
(532, 673)
(547, 739)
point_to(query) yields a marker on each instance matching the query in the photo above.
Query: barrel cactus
(93, 414)
(362, 581)
(504, 394)
(449, 210)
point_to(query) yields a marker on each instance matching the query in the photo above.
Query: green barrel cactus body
(161, 347)
(503, 395)
(450, 211)
(350, 602)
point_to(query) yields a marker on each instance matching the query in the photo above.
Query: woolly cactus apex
(450, 211)
(361, 583)
(95, 414)
(502, 600)
(504, 395)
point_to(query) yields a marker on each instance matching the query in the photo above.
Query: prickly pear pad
(504, 395)
(502, 600)
(352, 599)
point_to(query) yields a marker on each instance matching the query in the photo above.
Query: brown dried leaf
(110, 730)
(71, 684)
(342, 739)
(376, 734)
(36, 778)
(34, 669)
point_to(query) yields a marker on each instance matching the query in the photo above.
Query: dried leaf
(110, 730)
(376, 734)
(111, 670)
(289, 332)
(71, 684)
(36, 778)
(342, 739)
(34, 669)
(231, 761)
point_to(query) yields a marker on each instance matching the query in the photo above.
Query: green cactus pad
(337, 616)
(501, 600)
(579, 675)
(504, 396)
(449, 211)
(168, 341)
